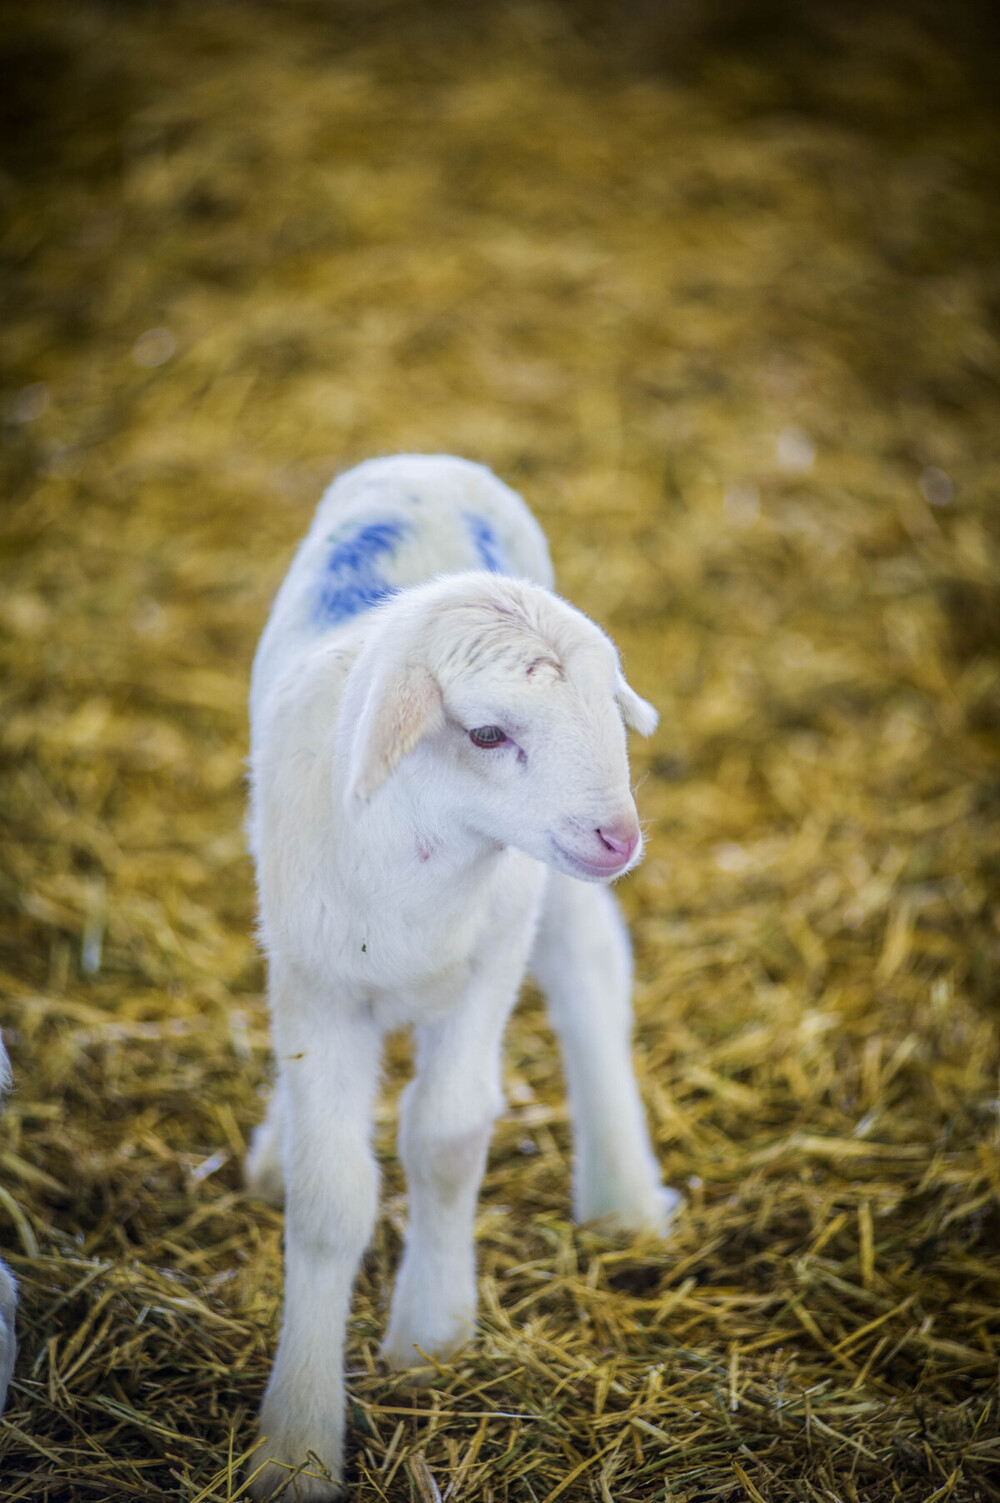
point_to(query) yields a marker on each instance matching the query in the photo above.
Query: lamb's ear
(403, 704)
(639, 713)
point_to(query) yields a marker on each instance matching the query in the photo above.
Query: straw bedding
(721, 301)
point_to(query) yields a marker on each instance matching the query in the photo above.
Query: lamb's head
(511, 705)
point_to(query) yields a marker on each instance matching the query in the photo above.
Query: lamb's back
(389, 524)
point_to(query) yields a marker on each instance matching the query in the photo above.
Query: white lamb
(440, 785)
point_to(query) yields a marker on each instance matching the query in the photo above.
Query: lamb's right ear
(639, 713)
(402, 705)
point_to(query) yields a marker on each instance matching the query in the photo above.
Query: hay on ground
(721, 301)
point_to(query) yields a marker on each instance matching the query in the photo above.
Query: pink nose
(620, 838)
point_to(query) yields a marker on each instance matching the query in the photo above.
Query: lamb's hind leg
(583, 962)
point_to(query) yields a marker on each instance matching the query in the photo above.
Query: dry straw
(720, 305)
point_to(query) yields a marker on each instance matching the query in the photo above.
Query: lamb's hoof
(432, 1317)
(277, 1481)
(414, 1371)
(649, 1211)
(405, 1352)
(301, 1445)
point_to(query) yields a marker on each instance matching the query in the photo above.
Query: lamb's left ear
(402, 705)
(639, 713)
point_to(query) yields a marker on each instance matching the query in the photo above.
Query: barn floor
(720, 297)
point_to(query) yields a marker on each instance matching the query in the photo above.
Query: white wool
(409, 876)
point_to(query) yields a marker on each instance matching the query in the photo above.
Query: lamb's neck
(409, 834)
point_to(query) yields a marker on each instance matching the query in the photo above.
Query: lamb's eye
(487, 735)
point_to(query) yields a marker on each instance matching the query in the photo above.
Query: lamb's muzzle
(610, 850)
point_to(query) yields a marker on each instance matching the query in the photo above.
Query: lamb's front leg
(329, 1065)
(446, 1118)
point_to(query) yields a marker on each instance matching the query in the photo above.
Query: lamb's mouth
(594, 870)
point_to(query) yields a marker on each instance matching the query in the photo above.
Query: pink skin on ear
(401, 708)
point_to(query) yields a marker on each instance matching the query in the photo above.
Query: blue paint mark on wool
(352, 582)
(489, 548)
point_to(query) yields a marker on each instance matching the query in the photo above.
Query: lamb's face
(543, 766)
(537, 753)
(518, 706)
